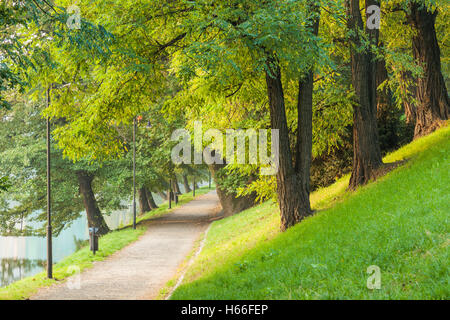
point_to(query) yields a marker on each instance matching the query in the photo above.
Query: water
(21, 257)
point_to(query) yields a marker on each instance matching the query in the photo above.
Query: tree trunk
(187, 188)
(94, 216)
(175, 186)
(151, 201)
(230, 202)
(432, 97)
(293, 201)
(143, 200)
(304, 120)
(366, 147)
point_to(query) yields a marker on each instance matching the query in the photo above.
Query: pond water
(21, 257)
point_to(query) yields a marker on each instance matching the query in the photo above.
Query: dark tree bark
(175, 186)
(94, 216)
(366, 148)
(293, 201)
(432, 97)
(151, 201)
(143, 200)
(304, 117)
(230, 202)
(187, 188)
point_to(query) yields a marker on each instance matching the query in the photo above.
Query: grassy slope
(83, 258)
(399, 223)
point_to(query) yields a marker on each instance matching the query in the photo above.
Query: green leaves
(4, 184)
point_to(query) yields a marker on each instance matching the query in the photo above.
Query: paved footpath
(141, 269)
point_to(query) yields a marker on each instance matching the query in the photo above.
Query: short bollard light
(93, 239)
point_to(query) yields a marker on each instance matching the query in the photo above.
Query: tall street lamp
(134, 172)
(49, 214)
(49, 190)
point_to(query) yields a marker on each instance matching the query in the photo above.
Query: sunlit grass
(399, 223)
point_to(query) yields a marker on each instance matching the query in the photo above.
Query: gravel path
(141, 269)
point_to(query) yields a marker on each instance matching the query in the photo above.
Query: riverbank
(83, 258)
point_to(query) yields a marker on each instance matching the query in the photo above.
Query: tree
(23, 155)
(366, 148)
(187, 188)
(432, 97)
(305, 115)
(94, 216)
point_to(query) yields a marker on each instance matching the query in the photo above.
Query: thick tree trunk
(304, 120)
(175, 186)
(94, 216)
(366, 147)
(432, 97)
(151, 201)
(230, 202)
(293, 201)
(187, 188)
(143, 201)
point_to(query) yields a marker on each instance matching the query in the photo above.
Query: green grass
(83, 258)
(399, 223)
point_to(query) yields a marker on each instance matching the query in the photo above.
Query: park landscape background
(361, 112)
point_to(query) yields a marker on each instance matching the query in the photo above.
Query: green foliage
(23, 159)
(4, 184)
(397, 223)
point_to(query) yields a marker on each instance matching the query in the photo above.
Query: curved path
(141, 269)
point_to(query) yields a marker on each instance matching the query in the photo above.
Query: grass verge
(398, 223)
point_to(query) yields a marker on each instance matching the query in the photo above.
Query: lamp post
(49, 190)
(134, 173)
(49, 213)
(170, 193)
